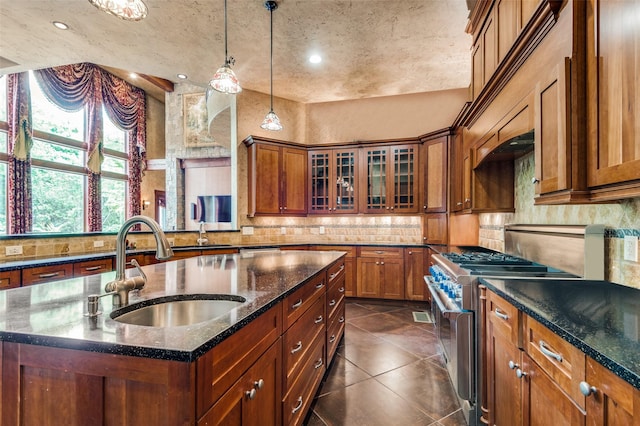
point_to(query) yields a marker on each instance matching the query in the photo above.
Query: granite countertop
(600, 318)
(53, 314)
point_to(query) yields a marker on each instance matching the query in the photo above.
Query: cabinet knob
(251, 394)
(410, 253)
(520, 374)
(513, 365)
(467, 200)
(258, 384)
(535, 180)
(459, 203)
(586, 389)
(387, 208)
(392, 208)
(284, 208)
(382, 263)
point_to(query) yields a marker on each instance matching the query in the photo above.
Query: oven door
(455, 330)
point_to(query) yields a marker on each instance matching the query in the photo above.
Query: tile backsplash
(620, 219)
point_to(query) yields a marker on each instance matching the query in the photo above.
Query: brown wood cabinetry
(611, 400)
(90, 267)
(42, 274)
(9, 279)
(277, 177)
(349, 266)
(435, 228)
(415, 267)
(388, 179)
(456, 171)
(613, 103)
(335, 307)
(380, 273)
(333, 181)
(435, 164)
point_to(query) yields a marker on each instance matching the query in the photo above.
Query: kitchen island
(58, 363)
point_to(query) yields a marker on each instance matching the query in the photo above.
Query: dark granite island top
(601, 319)
(53, 314)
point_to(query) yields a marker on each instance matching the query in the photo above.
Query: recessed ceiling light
(315, 59)
(60, 25)
(182, 76)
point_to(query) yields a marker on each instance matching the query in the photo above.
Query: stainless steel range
(540, 251)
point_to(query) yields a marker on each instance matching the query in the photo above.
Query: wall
(622, 218)
(153, 179)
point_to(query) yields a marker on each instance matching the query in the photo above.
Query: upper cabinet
(613, 99)
(333, 186)
(435, 172)
(388, 179)
(277, 177)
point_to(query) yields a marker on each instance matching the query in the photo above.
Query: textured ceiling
(370, 48)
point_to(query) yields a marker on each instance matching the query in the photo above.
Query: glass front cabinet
(332, 179)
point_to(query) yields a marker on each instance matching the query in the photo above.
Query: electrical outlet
(12, 250)
(172, 241)
(283, 230)
(631, 248)
(98, 243)
(321, 230)
(247, 230)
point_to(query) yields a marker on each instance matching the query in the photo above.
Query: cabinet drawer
(381, 252)
(91, 267)
(335, 271)
(300, 338)
(504, 316)
(335, 331)
(335, 296)
(42, 274)
(351, 251)
(299, 301)
(297, 401)
(222, 366)
(563, 362)
(9, 279)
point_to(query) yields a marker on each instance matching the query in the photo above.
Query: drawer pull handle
(251, 393)
(259, 384)
(332, 338)
(318, 320)
(586, 389)
(52, 274)
(297, 304)
(341, 289)
(333, 302)
(297, 348)
(298, 406)
(501, 315)
(92, 268)
(547, 352)
(318, 364)
(320, 285)
(379, 251)
(341, 320)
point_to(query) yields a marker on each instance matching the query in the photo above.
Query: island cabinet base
(46, 386)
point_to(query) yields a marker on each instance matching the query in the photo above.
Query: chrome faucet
(121, 286)
(202, 236)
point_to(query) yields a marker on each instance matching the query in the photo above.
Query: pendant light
(225, 80)
(129, 10)
(271, 120)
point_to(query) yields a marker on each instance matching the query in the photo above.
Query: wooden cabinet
(380, 273)
(335, 307)
(415, 270)
(456, 173)
(484, 57)
(613, 121)
(9, 279)
(253, 399)
(90, 267)
(388, 179)
(435, 228)
(436, 167)
(277, 177)
(333, 186)
(42, 274)
(349, 266)
(611, 400)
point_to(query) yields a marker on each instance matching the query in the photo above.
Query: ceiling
(370, 48)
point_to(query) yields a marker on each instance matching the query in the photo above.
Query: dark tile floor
(388, 371)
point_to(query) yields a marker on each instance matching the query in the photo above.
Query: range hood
(520, 144)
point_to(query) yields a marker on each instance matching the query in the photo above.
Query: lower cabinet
(414, 267)
(380, 273)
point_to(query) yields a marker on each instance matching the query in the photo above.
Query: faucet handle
(140, 271)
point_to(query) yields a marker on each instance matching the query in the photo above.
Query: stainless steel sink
(175, 311)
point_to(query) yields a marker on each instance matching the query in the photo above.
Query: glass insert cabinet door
(333, 175)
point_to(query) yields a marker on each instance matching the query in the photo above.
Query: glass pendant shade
(271, 122)
(225, 80)
(129, 10)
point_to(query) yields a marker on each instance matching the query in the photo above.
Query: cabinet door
(613, 104)
(255, 398)
(320, 184)
(369, 276)
(435, 186)
(414, 263)
(294, 181)
(266, 180)
(344, 180)
(613, 401)
(456, 175)
(404, 189)
(392, 278)
(506, 15)
(374, 180)
(490, 55)
(349, 277)
(435, 228)
(504, 387)
(466, 181)
(544, 401)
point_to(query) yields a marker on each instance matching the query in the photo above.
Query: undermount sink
(175, 311)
